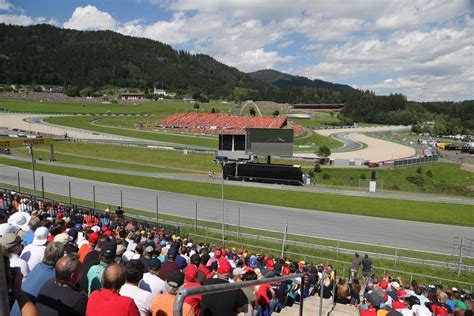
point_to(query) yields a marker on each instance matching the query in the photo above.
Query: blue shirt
(28, 238)
(33, 283)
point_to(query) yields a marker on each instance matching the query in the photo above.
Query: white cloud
(5, 5)
(255, 59)
(90, 18)
(25, 20)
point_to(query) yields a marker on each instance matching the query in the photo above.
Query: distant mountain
(283, 80)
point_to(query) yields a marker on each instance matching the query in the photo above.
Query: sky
(423, 49)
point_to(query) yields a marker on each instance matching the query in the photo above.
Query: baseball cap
(224, 266)
(108, 251)
(93, 238)
(172, 252)
(270, 265)
(195, 259)
(149, 249)
(253, 262)
(175, 278)
(41, 236)
(191, 273)
(154, 264)
(73, 233)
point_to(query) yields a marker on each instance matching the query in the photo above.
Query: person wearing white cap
(12, 245)
(34, 252)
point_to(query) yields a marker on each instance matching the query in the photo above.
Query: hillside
(43, 54)
(283, 80)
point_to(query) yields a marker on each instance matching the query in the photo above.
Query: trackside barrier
(217, 288)
(328, 261)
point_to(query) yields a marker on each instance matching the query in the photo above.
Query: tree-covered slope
(45, 54)
(283, 80)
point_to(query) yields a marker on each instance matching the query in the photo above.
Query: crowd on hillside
(61, 261)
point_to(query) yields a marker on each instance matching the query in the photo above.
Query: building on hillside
(132, 96)
(160, 92)
(188, 98)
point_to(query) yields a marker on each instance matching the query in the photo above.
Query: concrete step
(310, 307)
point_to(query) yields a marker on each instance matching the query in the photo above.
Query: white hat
(20, 219)
(6, 228)
(62, 238)
(95, 229)
(41, 236)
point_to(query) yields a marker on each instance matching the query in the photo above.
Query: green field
(446, 178)
(113, 108)
(454, 214)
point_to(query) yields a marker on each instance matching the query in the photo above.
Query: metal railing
(345, 263)
(217, 288)
(333, 297)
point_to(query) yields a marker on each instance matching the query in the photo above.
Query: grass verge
(443, 213)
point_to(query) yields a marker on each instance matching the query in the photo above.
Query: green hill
(43, 54)
(283, 80)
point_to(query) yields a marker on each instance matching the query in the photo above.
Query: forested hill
(43, 54)
(284, 80)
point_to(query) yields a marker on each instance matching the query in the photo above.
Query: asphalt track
(434, 238)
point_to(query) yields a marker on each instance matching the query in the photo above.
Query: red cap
(191, 273)
(93, 238)
(217, 253)
(401, 294)
(60, 215)
(286, 271)
(241, 251)
(383, 284)
(270, 265)
(224, 266)
(108, 233)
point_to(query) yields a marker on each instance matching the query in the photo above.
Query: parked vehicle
(259, 172)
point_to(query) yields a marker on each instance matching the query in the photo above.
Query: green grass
(315, 140)
(447, 178)
(444, 213)
(257, 245)
(84, 123)
(101, 163)
(118, 108)
(140, 156)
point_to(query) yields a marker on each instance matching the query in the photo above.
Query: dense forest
(85, 63)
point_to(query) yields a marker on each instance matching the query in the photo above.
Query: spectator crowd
(64, 261)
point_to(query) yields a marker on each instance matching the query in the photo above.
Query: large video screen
(269, 142)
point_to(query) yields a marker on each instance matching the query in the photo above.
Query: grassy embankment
(312, 255)
(445, 177)
(443, 213)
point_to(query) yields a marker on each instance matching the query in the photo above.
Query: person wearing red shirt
(189, 282)
(108, 301)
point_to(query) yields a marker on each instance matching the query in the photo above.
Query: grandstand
(222, 123)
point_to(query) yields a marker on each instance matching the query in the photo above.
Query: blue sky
(421, 48)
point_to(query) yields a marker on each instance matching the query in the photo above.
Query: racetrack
(376, 231)
(376, 150)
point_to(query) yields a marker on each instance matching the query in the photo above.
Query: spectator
(91, 259)
(355, 289)
(150, 281)
(14, 279)
(355, 265)
(223, 303)
(12, 246)
(189, 282)
(196, 261)
(94, 275)
(162, 305)
(327, 285)
(34, 252)
(343, 292)
(33, 224)
(89, 246)
(107, 301)
(41, 273)
(57, 296)
(134, 273)
(366, 268)
(416, 307)
(71, 244)
(169, 265)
